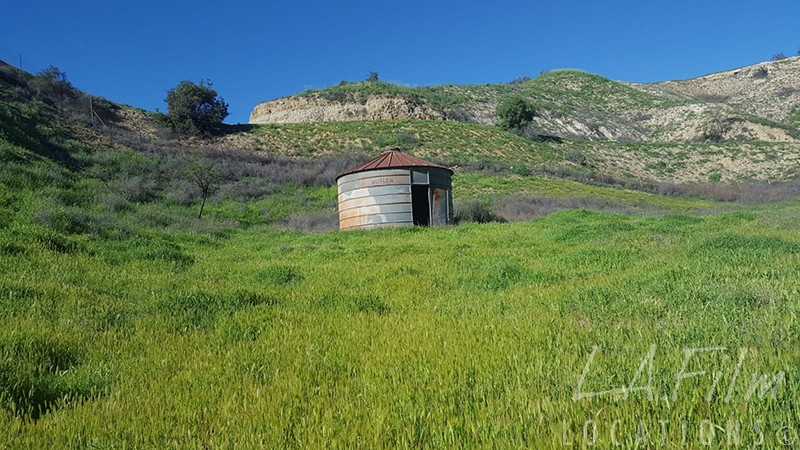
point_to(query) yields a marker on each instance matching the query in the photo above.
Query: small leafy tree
(194, 108)
(55, 75)
(373, 76)
(515, 113)
(52, 83)
(206, 178)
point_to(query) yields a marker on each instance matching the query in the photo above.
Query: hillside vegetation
(129, 323)
(735, 126)
(759, 102)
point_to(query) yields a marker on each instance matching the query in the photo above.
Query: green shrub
(514, 113)
(479, 211)
(195, 108)
(575, 155)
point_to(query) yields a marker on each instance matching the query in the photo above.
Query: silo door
(421, 205)
(440, 204)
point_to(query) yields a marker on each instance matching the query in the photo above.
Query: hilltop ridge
(760, 102)
(587, 127)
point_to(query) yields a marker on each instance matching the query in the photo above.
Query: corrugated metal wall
(376, 198)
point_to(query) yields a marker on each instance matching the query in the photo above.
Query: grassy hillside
(452, 142)
(465, 336)
(476, 146)
(759, 103)
(562, 91)
(736, 126)
(127, 322)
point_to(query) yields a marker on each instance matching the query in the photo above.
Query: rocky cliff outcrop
(317, 108)
(769, 89)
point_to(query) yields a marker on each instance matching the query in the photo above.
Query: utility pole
(20, 61)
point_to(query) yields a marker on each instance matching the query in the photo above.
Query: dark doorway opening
(421, 205)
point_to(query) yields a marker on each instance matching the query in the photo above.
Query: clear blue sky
(134, 51)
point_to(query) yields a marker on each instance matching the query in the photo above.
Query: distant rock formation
(316, 108)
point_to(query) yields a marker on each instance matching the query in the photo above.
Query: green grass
(461, 144)
(129, 324)
(473, 185)
(460, 336)
(561, 91)
(794, 118)
(567, 91)
(444, 141)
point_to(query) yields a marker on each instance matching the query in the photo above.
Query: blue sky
(133, 52)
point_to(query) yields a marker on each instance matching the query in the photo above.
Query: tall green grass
(460, 336)
(128, 324)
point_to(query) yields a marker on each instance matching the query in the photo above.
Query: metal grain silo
(395, 189)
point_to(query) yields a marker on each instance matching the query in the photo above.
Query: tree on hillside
(515, 113)
(778, 56)
(206, 178)
(194, 108)
(52, 83)
(373, 76)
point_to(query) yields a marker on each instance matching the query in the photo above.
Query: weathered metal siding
(375, 198)
(441, 196)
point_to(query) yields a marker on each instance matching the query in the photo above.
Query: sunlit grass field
(127, 323)
(475, 335)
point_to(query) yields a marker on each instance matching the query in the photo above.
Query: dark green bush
(515, 113)
(195, 108)
(479, 211)
(575, 155)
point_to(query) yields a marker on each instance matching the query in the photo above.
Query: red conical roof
(392, 159)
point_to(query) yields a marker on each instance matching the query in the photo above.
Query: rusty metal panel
(375, 191)
(390, 159)
(440, 205)
(375, 220)
(350, 223)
